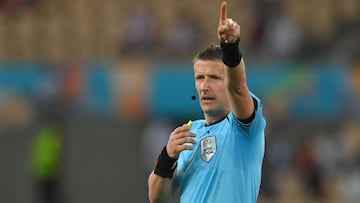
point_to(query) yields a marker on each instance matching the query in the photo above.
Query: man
(218, 159)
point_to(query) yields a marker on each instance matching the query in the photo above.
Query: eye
(215, 77)
(199, 77)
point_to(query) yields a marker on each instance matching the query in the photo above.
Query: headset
(193, 96)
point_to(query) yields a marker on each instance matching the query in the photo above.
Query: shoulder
(258, 121)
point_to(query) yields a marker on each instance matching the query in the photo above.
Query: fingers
(180, 139)
(223, 13)
(181, 132)
(232, 22)
(183, 128)
(184, 140)
(181, 148)
(228, 29)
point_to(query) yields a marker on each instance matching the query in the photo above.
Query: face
(209, 81)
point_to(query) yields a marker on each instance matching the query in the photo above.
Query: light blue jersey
(225, 163)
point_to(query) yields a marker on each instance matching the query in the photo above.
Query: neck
(214, 119)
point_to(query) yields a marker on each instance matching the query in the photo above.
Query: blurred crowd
(97, 59)
(110, 29)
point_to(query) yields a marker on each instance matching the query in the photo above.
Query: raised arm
(241, 103)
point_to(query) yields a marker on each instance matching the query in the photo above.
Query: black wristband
(165, 165)
(231, 54)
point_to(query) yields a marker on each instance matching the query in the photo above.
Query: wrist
(170, 155)
(231, 54)
(230, 41)
(165, 165)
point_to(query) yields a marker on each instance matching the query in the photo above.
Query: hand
(177, 141)
(228, 29)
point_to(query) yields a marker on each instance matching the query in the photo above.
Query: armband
(165, 165)
(231, 54)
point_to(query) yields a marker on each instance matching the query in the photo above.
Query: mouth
(207, 99)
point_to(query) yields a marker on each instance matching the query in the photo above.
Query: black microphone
(193, 96)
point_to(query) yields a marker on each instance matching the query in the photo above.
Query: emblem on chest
(208, 148)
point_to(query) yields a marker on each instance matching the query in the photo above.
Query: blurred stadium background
(119, 75)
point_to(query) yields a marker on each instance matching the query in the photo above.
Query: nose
(204, 86)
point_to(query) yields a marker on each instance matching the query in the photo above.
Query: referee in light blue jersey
(217, 159)
(225, 163)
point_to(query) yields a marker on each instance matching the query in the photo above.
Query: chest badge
(208, 148)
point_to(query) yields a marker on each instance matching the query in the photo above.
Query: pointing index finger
(223, 14)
